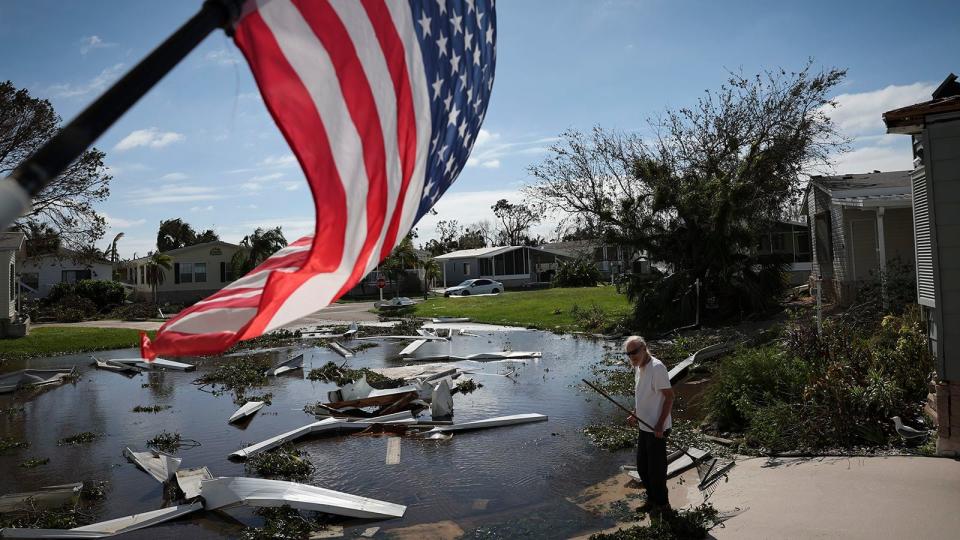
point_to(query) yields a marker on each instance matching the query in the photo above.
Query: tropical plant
(112, 252)
(256, 248)
(401, 258)
(174, 234)
(41, 238)
(579, 272)
(431, 273)
(156, 264)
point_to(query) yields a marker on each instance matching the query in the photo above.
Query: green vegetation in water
(284, 522)
(692, 524)
(94, 490)
(363, 346)
(13, 410)
(34, 516)
(277, 338)
(837, 389)
(237, 375)
(286, 462)
(78, 439)
(340, 375)
(467, 386)
(243, 399)
(166, 442)
(34, 462)
(150, 408)
(57, 340)
(549, 309)
(611, 436)
(9, 443)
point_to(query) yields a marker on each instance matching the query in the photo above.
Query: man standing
(653, 400)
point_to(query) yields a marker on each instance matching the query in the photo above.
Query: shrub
(579, 272)
(838, 388)
(135, 311)
(592, 318)
(103, 294)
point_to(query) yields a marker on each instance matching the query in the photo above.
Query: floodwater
(515, 481)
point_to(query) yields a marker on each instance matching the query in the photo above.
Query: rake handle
(631, 413)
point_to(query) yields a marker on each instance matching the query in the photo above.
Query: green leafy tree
(402, 258)
(67, 203)
(256, 248)
(431, 273)
(41, 238)
(155, 274)
(175, 234)
(698, 196)
(207, 236)
(515, 221)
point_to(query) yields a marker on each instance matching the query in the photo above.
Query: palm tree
(431, 273)
(256, 248)
(157, 263)
(401, 258)
(112, 252)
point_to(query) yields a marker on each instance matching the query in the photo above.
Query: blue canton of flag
(458, 41)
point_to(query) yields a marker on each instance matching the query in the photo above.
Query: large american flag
(381, 103)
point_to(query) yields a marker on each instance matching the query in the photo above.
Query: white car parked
(474, 286)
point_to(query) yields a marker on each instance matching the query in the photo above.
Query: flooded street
(515, 478)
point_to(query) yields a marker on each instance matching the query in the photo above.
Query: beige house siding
(185, 282)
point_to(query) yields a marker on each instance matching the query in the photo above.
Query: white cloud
(292, 186)
(293, 228)
(117, 169)
(257, 182)
(862, 113)
(208, 208)
(489, 149)
(286, 160)
(891, 153)
(90, 43)
(222, 57)
(150, 137)
(114, 222)
(171, 193)
(96, 84)
(174, 177)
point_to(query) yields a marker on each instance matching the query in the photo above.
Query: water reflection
(515, 471)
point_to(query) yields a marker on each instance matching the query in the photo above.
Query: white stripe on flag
(403, 21)
(310, 61)
(364, 38)
(214, 320)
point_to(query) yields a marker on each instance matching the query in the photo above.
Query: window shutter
(923, 240)
(223, 271)
(176, 272)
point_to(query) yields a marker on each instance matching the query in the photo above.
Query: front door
(863, 247)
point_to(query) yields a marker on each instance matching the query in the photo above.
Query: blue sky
(201, 146)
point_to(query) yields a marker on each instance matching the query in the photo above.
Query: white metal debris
(678, 465)
(442, 320)
(156, 363)
(327, 424)
(490, 423)
(393, 450)
(289, 364)
(261, 493)
(32, 378)
(402, 338)
(412, 348)
(340, 349)
(513, 356)
(111, 527)
(248, 409)
(441, 403)
(47, 497)
(189, 480)
(114, 366)
(159, 465)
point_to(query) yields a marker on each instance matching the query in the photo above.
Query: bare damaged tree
(67, 203)
(515, 221)
(698, 194)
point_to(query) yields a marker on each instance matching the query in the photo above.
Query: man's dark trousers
(652, 466)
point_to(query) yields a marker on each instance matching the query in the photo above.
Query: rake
(709, 470)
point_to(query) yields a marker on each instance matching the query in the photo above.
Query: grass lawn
(545, 308)
(54, 340)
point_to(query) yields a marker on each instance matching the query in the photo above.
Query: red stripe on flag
(330, 30)
(394, 53)
(296, 115)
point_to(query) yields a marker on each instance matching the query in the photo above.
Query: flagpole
(33, 174)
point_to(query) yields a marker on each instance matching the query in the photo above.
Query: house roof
(485, 253)
(474, 253)
(866, 190)
(11, 241)
(911, 119)
(187, 248)
(67, 253)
